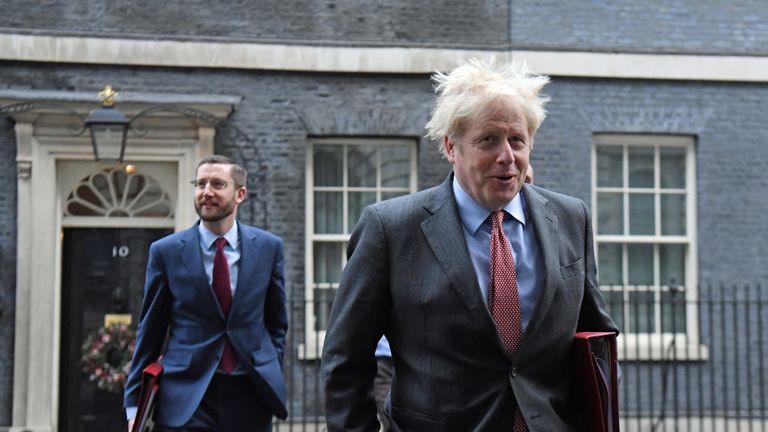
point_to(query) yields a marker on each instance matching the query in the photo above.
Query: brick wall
(658, 26)
(396, 22)
(728, 121)
(280, 110)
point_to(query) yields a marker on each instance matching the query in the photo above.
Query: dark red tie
(503, 298)
(223, 292)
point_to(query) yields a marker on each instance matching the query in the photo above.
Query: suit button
(514, 372)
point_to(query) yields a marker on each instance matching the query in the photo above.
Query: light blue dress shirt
(231, 250)
(520, 233)
(382, 348)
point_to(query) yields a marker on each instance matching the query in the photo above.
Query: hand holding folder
(150, 385)
(597, 374)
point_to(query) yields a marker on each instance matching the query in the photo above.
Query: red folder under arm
(150, 385)
(597, 372)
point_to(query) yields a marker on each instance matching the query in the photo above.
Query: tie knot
(497, 218)
(220, 243)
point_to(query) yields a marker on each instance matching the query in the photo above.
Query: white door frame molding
(43, 141)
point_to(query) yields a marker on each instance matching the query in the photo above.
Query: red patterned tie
(223, 292)
(503, 298)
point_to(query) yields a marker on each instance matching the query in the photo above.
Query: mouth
(504, 177)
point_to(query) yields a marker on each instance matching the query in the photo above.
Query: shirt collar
(473, 214)
(207, 237)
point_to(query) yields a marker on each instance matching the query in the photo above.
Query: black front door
(103, 273)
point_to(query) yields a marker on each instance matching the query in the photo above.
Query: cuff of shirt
(130, 412)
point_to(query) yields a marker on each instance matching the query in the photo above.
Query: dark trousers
(230, 405)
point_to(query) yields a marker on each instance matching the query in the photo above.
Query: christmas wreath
(107, 353)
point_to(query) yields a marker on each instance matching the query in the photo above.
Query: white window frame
(313, 339)
(655, 345)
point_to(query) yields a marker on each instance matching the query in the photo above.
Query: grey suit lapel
(192, 256)
(444, 233)
(545, 224)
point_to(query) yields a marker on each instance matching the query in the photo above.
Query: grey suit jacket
(410, 277)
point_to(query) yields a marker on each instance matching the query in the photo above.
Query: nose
(506, 154)
(208, 189)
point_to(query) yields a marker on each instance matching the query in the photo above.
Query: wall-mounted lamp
(109, 128)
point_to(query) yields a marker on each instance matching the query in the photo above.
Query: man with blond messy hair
(479, 284)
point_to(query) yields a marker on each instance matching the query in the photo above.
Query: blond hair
(469, 89)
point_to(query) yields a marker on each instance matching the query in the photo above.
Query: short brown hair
(239, 174)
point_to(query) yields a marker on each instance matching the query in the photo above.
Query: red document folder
(597, 370)
(150, 384)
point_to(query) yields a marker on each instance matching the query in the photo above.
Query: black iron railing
(697, 362)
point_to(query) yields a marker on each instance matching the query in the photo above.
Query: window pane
(327, 165)
(610, 266)
(672, 167)
(614, 302)
(348, 175)
(640, 257)
(641, 214)
(327, 262)
(641, 207)
(673, 214)
(642, 317)
(395, 166)
(119, 180)
(358, 201)
(641, 167)
(328, 212)
(610, 213)
(672, 264)
(673, 311)
(152, 201)
(322, 307)
(609, 166)
(362, 166)
(101, 183)
(390, 195)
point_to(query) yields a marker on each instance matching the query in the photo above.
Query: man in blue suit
(214, 308)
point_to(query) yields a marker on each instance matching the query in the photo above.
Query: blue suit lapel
(248, 265)
(192, 256)
(445, 236)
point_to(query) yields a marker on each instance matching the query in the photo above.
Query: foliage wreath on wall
(107, 354)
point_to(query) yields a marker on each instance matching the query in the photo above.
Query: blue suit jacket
(179, 302)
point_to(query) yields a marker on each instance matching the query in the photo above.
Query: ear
(450, 149)
(240, 194)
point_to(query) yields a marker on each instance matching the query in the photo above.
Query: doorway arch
(47, 155)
